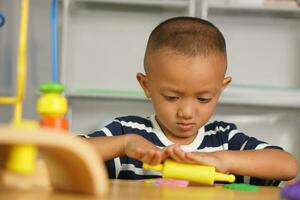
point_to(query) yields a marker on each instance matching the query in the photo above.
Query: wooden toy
(72, 163)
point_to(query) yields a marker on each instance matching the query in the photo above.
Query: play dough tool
(191, 172)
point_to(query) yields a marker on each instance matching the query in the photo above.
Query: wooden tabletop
(72, 165)
(131, 190)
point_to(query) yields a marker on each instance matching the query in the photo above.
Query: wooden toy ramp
(72, 163)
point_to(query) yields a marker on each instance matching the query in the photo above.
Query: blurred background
(101, 47)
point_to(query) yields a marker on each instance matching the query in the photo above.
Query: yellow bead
(52, 105)
(22, 157)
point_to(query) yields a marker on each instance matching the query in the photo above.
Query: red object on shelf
(59, 123)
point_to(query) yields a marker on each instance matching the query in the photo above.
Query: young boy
(185, 64)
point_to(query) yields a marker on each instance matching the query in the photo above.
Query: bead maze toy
(191, 172)
(72, 163)
(21, 158)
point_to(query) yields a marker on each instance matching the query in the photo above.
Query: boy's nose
(185, 111)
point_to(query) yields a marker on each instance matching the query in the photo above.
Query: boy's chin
(185, 134)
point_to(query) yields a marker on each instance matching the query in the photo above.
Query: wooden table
(131, 190)
(75, 166)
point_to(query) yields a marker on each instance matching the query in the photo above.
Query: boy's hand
(141, 149)
(202, 158)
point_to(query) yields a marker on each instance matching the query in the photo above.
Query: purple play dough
(291, 192)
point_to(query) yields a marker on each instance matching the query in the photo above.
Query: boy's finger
(164, 156)
(157, 158)
(169, 149)
(181, 155)
(136, 153)
(148, 156)
(171, 146)
(174, 156)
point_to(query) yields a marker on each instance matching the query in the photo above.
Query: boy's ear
(226, 81)
(143, 80)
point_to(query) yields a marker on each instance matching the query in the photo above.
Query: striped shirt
(214, 136)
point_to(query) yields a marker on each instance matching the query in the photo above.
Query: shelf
(92, 39)
(106, 93)
(155, 3)
(261, 96)
(254, 10)
(262, 45)
(103, 42)
(240, 95)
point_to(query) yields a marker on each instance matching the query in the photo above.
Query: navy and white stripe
(212, 137)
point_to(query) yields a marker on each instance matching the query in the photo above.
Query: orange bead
(58, 123)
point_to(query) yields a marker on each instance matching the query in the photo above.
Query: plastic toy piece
(72, 163)
(60, 123)
(52, 87)
(21, 65)
(191, 172)
(22, 158)
(52, 106)
(22, 60)
(292, 191)
(242, 186)
(54, 34)
(51, 103)
(167, 182)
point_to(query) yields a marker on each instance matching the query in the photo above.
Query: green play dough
(242, 186)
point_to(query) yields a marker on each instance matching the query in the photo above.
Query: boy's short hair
(190, 36)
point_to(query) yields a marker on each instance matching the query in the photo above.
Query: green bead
(242, 186)
(51, 87)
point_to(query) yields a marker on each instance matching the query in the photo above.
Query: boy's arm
(271, 164)
(132, 145)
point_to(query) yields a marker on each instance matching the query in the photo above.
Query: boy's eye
(204, 100)
(170, 98)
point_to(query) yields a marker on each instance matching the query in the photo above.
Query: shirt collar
(162, 137)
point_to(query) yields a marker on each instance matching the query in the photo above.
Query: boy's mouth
(185, 126)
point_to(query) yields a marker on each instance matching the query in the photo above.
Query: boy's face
(184, 91)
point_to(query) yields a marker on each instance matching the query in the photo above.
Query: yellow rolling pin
(191, 172)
